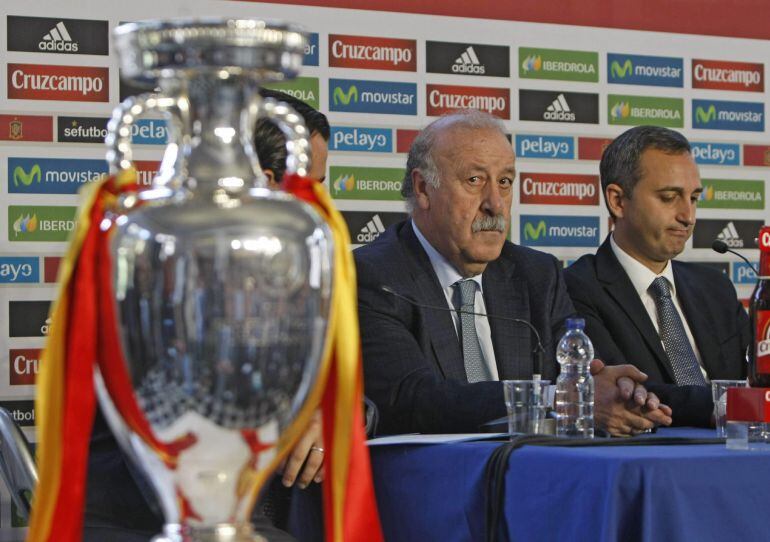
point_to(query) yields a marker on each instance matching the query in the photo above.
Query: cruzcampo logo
(533, 233)
(635, 110)
(535, 63)
(732, 194)
(40, 222)
(704, 116)
(26, 178)
(344, 98)
(366, 183)
(620, 71)
(305, 89)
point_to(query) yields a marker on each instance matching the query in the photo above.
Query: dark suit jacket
(622, 332)
(413, 365)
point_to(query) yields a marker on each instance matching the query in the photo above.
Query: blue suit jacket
(622, 331)
(413, 366)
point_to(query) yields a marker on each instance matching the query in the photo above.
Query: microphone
(538, 352)
(721, 247)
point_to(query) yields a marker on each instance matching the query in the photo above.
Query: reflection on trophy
(222, 286)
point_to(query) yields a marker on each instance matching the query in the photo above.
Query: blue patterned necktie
(680, 353)
(473, 360)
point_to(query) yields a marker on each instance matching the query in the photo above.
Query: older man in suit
(429, 369)
(681, 323)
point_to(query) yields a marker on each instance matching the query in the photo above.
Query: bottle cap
(575, 323)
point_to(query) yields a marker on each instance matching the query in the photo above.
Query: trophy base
(223, 532)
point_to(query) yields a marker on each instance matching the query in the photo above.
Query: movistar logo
(344, 98)
(534, 233)
(704, 117)
(620, 110)
(21, 176)
(621, 71)
(532, 62)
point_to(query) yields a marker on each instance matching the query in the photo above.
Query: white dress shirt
(642, 277)
(447, 276)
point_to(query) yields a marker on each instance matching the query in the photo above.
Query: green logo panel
(375, 183)
(558, 64)
(40, 223)
(732, 194)
(302, 88)
(634, 110)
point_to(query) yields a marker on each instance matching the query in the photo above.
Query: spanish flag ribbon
(84, 335)
(350, 508)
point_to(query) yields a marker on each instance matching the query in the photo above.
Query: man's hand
(308, 451)
(622, 405)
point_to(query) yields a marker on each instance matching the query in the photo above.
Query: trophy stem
(223, 532)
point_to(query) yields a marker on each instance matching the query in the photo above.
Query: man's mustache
(489, 223)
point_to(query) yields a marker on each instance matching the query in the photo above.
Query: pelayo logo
(559, 231)
(743, 273)
(370, 183)
(357, 96)
(17, 270)
(67, 83)
(52, 175)
(732, 194)
(55, 35)
(544, 146)
(467, 59)
(722, 75)
(555, 106)
(40, 222)
(305, 89)
(349, 138)
(735, 233)
(372, 53)
(716, 154)
(724, 115)
(633, 110)
(659, 71)
(536, 63)
(443, 99)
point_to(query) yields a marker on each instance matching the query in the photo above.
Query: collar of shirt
(445, 271)
(641, 276)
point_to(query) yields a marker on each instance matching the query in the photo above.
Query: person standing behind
(681, 323)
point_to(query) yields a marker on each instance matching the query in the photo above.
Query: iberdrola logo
(620, 110)
(707, 194)
(532, 62)
(25, 224)
(345, 183)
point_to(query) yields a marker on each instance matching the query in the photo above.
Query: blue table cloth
(597, 494)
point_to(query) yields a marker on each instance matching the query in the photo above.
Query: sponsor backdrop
(562, 91)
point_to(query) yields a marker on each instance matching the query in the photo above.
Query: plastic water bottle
(575, 385)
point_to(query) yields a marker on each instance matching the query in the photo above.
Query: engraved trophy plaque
(222, 286)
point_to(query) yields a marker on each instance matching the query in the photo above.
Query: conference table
(673, 492)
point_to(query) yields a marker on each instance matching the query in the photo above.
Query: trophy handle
(118, 140)
(290, 123)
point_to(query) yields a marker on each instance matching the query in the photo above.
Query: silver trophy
(222, 286)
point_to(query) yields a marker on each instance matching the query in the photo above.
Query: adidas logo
(468, 62)
(559, 110)
(58, 39)
(730, 236)
(371, 231)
